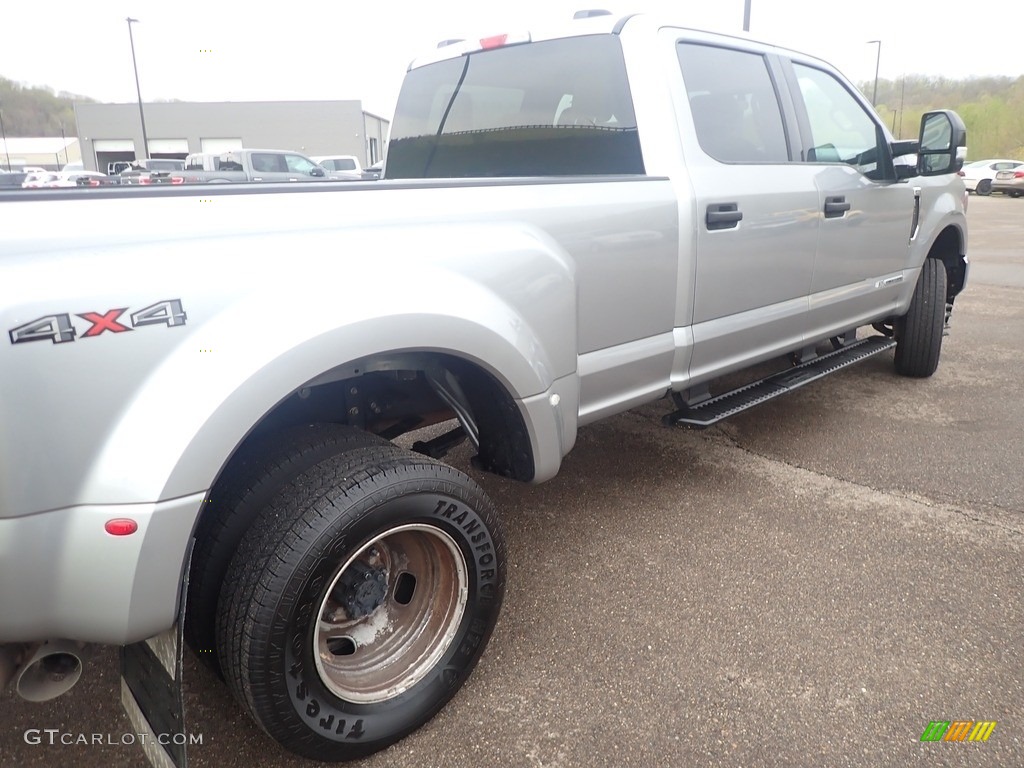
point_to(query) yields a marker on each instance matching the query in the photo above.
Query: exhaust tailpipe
(50, 671)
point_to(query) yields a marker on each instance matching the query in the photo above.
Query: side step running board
(711, 411)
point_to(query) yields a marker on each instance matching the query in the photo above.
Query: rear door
(756, 208)
(866, 214)
(270, 166)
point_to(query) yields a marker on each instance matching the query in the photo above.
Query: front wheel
(360, 601)
(919, 332)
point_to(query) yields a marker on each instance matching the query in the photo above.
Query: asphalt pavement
(809, 584)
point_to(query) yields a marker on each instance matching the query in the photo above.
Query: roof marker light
(499, 41)
(486, 43)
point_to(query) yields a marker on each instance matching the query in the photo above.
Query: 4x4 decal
(59, 328)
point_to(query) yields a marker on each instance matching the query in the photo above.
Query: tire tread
(252, 478)
(919, 332)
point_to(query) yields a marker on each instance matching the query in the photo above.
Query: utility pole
(3, 134)
(878, 60)
(138, 91)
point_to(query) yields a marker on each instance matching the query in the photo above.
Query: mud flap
(151, 690)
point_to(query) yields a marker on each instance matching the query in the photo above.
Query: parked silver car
(1010, 182)
(979, 175)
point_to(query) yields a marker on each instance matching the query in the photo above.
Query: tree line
(33, 111)
(992, 108)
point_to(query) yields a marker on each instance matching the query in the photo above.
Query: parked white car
(978, 175)
(39, 179)
(341, 166)
(71, 178)
(340, 162)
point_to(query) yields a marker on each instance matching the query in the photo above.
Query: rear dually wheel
(360, 601)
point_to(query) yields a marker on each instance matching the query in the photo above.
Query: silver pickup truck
(201, 389)
(265, 165)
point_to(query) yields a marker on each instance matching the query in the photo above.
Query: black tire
(247, 485)
(984, 187)
(919, 332)
(328, 557)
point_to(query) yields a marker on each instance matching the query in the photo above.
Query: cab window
(264, 162)
(735, 109)
(841, 129)
(299, 164)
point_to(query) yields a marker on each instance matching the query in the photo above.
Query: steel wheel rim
(404, 632)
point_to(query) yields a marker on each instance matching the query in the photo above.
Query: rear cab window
(163, 165)
(228, 163)
(552, 108)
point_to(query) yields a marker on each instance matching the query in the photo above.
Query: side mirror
(943, 143)
(318, 171)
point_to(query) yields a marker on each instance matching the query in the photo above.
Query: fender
(478, 292)
(941, 209)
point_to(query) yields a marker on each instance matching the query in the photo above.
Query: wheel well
(394, 394)
(948, 248)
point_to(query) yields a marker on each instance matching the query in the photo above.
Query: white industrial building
(111, 132)
(51, 153)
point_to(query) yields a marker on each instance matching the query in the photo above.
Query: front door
(867, 215)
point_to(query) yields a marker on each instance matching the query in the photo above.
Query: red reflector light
(121, 526)
(144, 180)
(493, 42)
(177, 180)
(1018, 174)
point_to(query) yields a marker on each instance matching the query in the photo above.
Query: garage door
(168, 147)
(113, 145)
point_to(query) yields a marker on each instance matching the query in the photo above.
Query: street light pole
(64, 143)
(903, 91)
(3, 133)
(138, 91)
(878, 60)
(746, 15)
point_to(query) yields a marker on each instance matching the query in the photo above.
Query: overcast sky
(319, 49)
